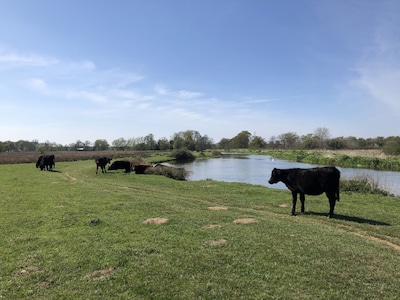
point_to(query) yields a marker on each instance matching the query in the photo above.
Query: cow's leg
(103, 169)
(294, 200)
(302, 199)
(332, 202)
(97, 168)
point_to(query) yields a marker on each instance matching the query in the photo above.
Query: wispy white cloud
(379, 70)
(30, 60)
(183, 94)
(37, 84)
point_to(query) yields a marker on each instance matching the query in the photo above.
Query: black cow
(121, 164)
(102, 162)
(141, 168)
(313, 181)
(46, 161)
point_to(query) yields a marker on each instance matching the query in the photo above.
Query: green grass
(72, 234)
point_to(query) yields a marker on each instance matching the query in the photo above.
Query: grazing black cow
(46, 161)
(102, 162)
(121, 164)
(313, 181)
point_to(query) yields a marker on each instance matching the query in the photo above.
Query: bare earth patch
(47, 283)
(283, 205)
(70, 177)
(100, 274)
(59, 206)
(216, 242)
(155, 221)
(373, 238)
(245, 221)
(26, 271)
(218, 208)
(210, 226)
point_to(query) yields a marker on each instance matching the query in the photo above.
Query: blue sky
(86, 70)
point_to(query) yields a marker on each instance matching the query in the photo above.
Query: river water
(256, 169)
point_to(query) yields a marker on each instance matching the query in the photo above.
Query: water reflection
(256, 169)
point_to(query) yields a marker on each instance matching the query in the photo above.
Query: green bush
(362, 184)
(183, 155)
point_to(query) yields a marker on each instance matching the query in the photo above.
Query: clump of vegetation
(170, 172)
(362, 184)
(183, 155)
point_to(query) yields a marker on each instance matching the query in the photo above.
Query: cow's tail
(337, 195)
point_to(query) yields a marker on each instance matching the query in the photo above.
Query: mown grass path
(72, 234)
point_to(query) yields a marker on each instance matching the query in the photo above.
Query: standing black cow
(46, 161)
(313, 181)
(102, 162)
(121, 164)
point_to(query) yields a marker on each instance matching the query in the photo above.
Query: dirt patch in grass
(375, 239)
(26, 271)
(47, 283)
(216, 242)
(245, 221)
(155, 221)
(100, 274)
(283, 205)
(59, 206)
(218, 208)
(210, 226)
(70, 177)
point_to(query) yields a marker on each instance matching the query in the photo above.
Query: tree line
(194, 141)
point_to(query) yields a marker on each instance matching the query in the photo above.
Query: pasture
(72, 234)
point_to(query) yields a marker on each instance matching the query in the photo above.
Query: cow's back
(316, 181)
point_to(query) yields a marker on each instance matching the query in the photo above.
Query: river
(256, 169)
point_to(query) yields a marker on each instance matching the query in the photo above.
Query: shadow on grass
(55, 171)
(350, 219)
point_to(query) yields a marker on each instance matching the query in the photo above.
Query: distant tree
(322, 135)
(150, 142)
(336, 143)
(257, 142)
(392, 148)
(392, 145)
(241, 140)
(308, 141)
(289, 140)
(164, 144)
(178, 143)
(120, 144)
(224, 143)
(273, 143)
(101, 145)
(203, 142)
(191, 140)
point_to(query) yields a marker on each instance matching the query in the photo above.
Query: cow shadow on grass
(55, 171)
(350, 218)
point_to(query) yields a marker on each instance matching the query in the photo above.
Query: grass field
(72, 234)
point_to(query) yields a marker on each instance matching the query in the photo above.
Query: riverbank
(366, 159)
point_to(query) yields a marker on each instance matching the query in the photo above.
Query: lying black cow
(121, 164)
(141, 168)
(102, 162)
(46, 161)
(314, 181)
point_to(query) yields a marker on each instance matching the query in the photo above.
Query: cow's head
(275, 176)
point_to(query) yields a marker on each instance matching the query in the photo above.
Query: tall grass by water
(72, 234)
(390, 163)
